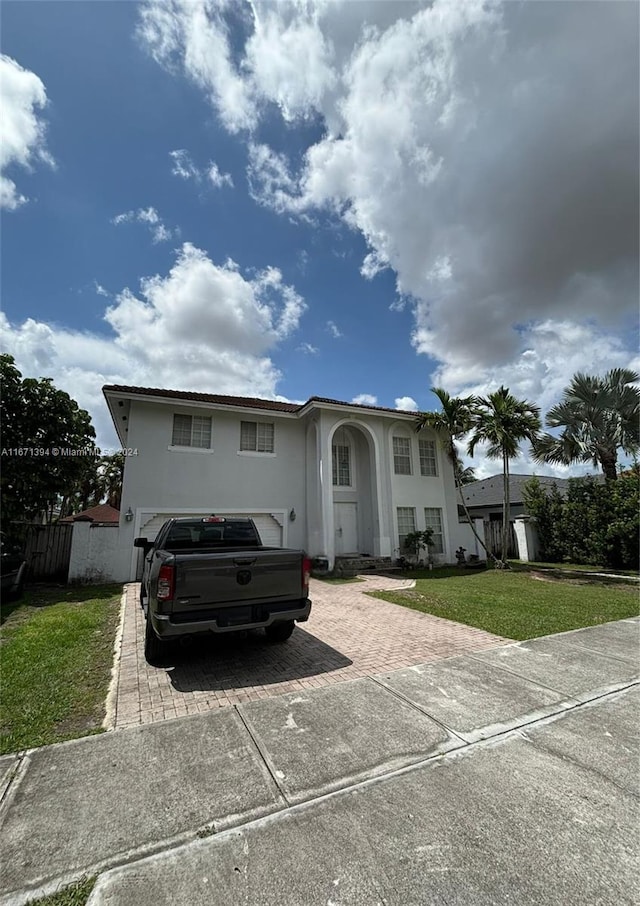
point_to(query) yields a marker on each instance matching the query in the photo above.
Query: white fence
(95, 554)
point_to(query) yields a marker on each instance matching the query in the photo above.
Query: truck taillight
(166, 583)
(306, 573)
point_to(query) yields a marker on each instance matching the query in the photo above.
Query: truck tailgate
(210, 579)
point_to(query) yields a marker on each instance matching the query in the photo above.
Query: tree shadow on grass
(47, 595)
(240, 660)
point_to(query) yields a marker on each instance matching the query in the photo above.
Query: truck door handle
(247, 561)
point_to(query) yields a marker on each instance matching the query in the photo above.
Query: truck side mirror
(142, 542)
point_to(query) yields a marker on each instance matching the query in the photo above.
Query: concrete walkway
(349, 635)
(505, 776)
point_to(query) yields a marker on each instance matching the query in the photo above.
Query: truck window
(198, 535)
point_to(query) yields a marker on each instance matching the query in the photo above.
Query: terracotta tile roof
(244, 401)
(102, 513)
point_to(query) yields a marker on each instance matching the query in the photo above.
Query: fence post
(526, 537)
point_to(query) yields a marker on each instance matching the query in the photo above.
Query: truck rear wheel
(155, 650)
(279, 632)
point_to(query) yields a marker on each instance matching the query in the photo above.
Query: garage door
(269, 529)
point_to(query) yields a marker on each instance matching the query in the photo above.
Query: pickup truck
(213, 574)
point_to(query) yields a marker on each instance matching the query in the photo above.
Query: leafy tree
(451, 423)
(467, 476)
(599, 417)
(111, 472)
(503, 422)
(47, 445)
(415, 541)
(547, 508)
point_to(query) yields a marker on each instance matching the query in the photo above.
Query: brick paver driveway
(349, 634)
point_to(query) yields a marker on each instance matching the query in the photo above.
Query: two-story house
(331, 477)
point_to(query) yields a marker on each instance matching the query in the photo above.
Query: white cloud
(407, 403)
(100, 290)
(194, 35)
(308, 349)
(183, 166)
(334, 330)
(149, 216)
(202, 326)
(22, 94)
(218, 179)
(486, 152)
(365, 399)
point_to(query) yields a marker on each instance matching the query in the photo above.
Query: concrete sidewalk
(509, 775)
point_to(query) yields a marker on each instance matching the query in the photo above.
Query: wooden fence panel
(48, 552)
(493, 539)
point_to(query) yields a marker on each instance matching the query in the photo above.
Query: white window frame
(428, 455)
(402, 513)
(199, 425)
(433, 520)
(336, 469)
(404, 456)
(260, 445)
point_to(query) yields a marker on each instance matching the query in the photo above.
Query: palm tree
(451, 423)
(502, 421)
(600, 416)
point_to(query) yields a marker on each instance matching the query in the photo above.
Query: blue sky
(352, 200)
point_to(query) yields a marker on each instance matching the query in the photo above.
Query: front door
(345, 517)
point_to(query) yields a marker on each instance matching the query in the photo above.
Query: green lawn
(56, 658)
(74, 895)
(515, 605)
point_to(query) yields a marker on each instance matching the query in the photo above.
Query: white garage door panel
(270, 531)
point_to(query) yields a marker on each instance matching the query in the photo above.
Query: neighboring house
(484, 498)
(331, 477)
(103, 514)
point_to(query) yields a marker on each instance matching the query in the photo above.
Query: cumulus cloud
(203, 326)
(365, 399)
(486, 152)
(407, 403)
(22, 96)
(334, 330)
(150, 217)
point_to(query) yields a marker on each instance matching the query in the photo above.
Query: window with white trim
(341, 465)
(191, 431)
(428, 461)
(257, 437)
(433, 520)
(402, 455)
(406, 524)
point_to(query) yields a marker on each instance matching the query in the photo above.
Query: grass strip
(57, 654)
(74, 895)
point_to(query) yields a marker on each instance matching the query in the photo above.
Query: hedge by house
(596, 523)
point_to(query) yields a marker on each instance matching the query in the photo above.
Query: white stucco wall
(96, 554)
(160, 479)
(222, 479)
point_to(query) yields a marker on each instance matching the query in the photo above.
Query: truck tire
(279, 632)
(155, 650)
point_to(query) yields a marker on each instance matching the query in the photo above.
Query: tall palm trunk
(608, 462)
(506, 508)
(453, 456)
